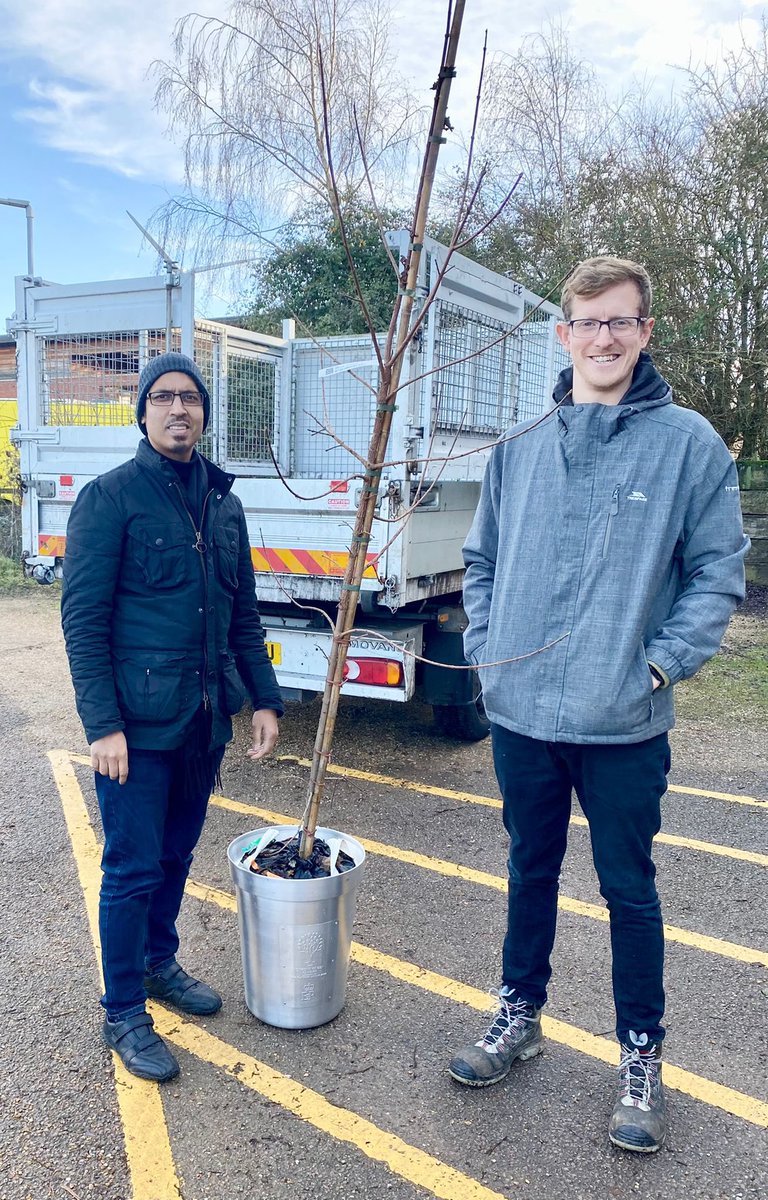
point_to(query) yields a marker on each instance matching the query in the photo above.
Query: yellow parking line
(152, 1172)
(402, 1159)
(409, 785)
(666, 839)
(147, 1145)
(492, 802)
(451, 870)
(671, 839)
(738, 1104)
(145, 1172)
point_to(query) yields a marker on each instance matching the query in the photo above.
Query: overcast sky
(80, 138)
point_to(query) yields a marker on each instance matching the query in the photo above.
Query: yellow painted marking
(147, 1146)
(666, 839)
(292, 1094)
(292, 563)
(452, 870)
(582, 908)
(404, 1160)
(733, 799)
(491, 801)
(739, 1104)
(148, 1152)
(671, 839)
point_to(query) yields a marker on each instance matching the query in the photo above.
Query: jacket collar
(147, 456)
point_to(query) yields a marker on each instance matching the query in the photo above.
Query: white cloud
(101, 129)
(83, 66)
(82, 72)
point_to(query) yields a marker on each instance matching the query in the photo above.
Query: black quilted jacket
(158, 620)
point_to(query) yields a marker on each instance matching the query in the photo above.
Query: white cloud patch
(82, 71)
(85, 90)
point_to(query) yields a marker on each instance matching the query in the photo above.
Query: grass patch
(12, 577)
(730, 690)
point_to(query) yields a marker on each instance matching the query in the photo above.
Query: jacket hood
(648, 386)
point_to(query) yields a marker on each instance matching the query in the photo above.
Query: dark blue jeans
(619, 788)
(152, 823)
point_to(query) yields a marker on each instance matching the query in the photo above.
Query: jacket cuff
(94, 732)
(660, 673)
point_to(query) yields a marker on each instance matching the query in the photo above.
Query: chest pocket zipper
(613, 513)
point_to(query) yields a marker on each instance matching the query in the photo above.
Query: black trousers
(619, 788)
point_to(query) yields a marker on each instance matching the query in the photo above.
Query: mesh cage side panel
(92, 378)
(474, 392)
(334, 406)
(251, 389)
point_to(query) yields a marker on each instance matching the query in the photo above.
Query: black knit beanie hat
(161, 365)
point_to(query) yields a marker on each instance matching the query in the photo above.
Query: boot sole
(170, 1074)
(632, 1147)
(527, 1053)
(188, 1012)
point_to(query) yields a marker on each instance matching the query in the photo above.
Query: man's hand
(265, 733)
(109, 756)
(656, 683)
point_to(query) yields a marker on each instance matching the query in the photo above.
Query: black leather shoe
(174, 986)
(144, 1053)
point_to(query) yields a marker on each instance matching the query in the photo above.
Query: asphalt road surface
(363, 1106)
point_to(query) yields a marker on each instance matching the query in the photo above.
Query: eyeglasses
(165, 399)
(620, 327)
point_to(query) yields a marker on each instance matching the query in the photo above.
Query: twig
(56, 1174)
(374, 202)
(342, 224)
(500, 662)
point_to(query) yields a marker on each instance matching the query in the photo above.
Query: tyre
(464, 722)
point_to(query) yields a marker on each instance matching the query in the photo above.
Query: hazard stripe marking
(297, 561)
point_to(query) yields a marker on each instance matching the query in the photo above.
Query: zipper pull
(615, 501)
(200, 545)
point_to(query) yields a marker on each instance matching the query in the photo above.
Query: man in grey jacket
(604, 562)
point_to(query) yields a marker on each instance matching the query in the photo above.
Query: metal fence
(332, 402)
(92, 379)
(252, 385)
(487, 375)
(476, 360)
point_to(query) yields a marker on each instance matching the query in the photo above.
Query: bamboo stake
(385, 407)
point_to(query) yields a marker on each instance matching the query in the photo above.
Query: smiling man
(604, 562)
(165, 645)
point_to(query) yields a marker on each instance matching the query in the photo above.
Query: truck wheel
(464, 722)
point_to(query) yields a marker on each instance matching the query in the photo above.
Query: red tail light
(376, 672)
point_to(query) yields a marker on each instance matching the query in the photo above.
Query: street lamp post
(26, 205)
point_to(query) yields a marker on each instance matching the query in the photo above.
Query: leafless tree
(258, 126)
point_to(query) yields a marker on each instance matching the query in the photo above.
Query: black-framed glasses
(587, 327)
(165, 399)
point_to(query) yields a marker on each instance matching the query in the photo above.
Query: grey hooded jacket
(606, 536)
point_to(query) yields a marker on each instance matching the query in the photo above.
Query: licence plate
(274, 652)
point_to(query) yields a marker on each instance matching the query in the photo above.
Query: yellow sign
(274, 652)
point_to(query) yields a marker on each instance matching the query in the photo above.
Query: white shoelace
(512, 1014)
(639, 1074)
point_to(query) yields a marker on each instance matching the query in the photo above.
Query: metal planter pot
(295, 936)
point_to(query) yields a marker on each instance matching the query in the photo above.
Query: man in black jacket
(165, 644)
